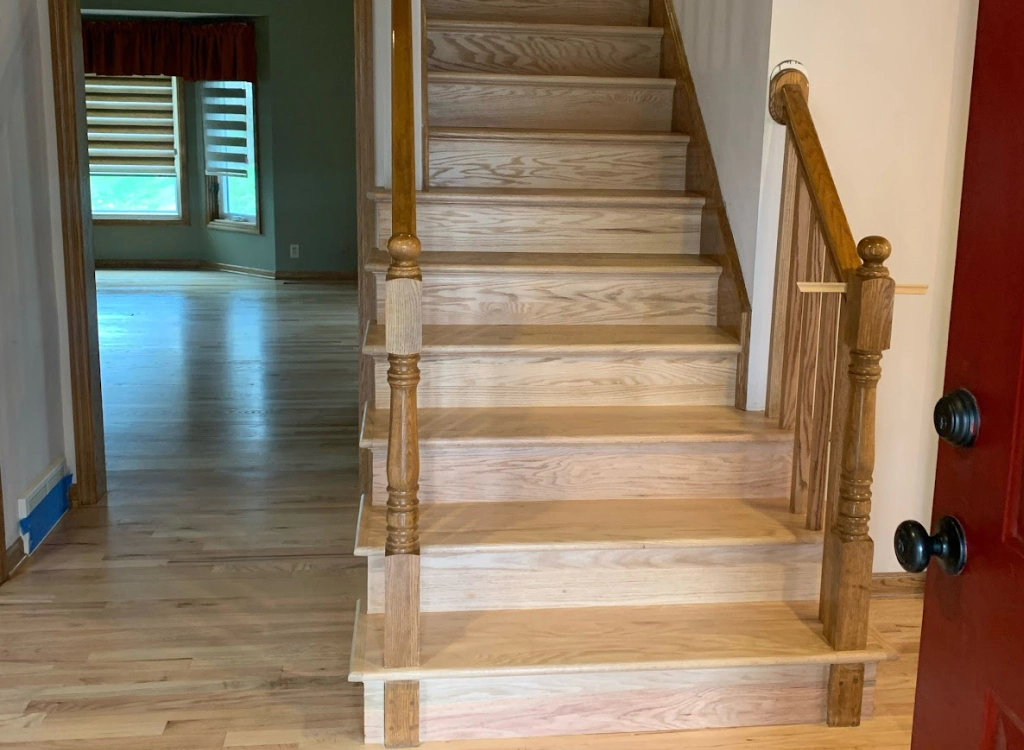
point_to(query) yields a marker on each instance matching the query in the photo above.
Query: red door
(971, 682)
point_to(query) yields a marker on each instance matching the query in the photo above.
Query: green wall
(305, 99)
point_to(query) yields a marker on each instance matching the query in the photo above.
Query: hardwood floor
(211, 603)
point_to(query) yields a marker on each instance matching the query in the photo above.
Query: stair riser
(550, 579)
(544, 53)
(556, 164)
(595, 12)
(567, 380)
(451, 298)
(551, 229)
(617, 702)
(535, 105)
(481, 473)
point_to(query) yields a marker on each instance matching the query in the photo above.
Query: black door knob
(957, 418)
(915, 549)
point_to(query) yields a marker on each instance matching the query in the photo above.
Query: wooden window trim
(182, 145)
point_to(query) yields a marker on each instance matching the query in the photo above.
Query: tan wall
(890, 88)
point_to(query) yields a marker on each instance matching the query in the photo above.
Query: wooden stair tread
(565, 29)
(609, 639)
(513, 79)
(599, 524)
(570, 136)
(509, 339)
(539, 196)
(581, 425)
(503, 262)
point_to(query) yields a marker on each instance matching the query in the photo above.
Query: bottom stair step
(507, 674)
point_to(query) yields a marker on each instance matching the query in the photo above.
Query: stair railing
(832, 321)
(404, 337)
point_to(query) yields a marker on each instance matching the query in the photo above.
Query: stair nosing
(818, 653)
(475, 347)
(497, 79)
(640, 264)
(368, 516)
(549, 197)
(567, 29)
(448, 133)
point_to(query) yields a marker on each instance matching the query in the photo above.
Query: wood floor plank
(181, 352)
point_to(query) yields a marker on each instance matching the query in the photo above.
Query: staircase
(606, 540)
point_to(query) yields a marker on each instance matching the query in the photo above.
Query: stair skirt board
(748, 470)
(618, 702)
(551, 579)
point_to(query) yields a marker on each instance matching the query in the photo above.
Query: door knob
(915, 549)
(957, 418)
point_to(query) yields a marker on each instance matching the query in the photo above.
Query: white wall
(727, 45)
(382, 87)
(34, 378)
(890, 89)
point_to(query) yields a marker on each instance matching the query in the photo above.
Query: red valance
(218, 51)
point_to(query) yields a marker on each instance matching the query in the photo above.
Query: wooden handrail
(404, 337)
(788, 106)
(824, 368)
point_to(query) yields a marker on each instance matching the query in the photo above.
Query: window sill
(171, 221)
(233, 226)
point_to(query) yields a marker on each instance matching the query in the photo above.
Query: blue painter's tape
(44, 516)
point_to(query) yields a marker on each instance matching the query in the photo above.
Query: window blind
(132, 125)
(228, 128)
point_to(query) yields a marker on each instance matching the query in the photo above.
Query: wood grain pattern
(847, 541)
(716, 239)
(550, 297)
(781, 335)
(484, 100)
(599, 639)
(596, 12)
(79, 264)
(555, 160)
(546, 222)
(211, 601)
(799, 268)
(542, 49)
(618, 706)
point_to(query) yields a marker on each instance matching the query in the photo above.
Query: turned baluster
(849, 550)
(404, 334)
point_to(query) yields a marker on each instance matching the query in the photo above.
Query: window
(229, 139)
(136, 159)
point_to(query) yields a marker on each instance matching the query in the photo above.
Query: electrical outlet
(295, 251)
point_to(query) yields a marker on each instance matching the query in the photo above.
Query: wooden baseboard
(15, 556)
(897, 585)
(117, 264)
(333, 277)
(320, 276)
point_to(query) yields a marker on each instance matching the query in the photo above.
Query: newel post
(404, 334)
(849, 550)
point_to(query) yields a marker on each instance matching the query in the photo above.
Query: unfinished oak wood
(543, 49)
(596, 12)
(552, 221)
(570, 366)
(210, 602)
(848, 543)
(716, 238)
(643, 709)
(530, 454)
(492, 158)
(603, 553)
(601, 639)
(548, 289)
(492, 100)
